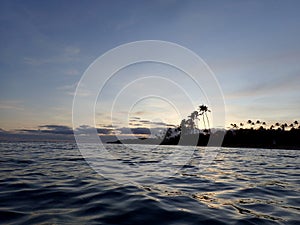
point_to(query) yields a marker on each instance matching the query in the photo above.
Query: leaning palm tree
(203, 110)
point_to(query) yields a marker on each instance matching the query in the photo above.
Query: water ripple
(50, 183)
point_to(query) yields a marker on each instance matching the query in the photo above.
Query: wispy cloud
(66, 55)
(284, 84)
(72, 72)
(11, 105)
(70, 89)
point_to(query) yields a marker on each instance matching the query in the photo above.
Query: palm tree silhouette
(234, 126)
(249, 122)
(283, 126)
(203, 109)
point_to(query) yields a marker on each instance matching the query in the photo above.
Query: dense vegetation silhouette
(252, 134)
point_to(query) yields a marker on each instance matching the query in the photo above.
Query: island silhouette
(251, 134)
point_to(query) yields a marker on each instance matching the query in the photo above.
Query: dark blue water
(51, 183)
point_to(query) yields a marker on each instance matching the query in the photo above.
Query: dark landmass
(278, 135)
(257, 134)
(243, 138)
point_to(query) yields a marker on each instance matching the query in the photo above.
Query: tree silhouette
(203, 110)
(241, 125)
(234, 126)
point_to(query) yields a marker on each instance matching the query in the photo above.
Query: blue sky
(252, 47)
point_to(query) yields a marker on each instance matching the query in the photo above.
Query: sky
(252, 47)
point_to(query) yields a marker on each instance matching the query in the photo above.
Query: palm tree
(258, 122)
(241, 125)
(283, 126)
(234, 126)
(249, 122)
(203, 109)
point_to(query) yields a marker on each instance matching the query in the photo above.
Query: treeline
(255, 134)
(249, 138)
(252, 134)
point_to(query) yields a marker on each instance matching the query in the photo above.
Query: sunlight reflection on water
(52, 183)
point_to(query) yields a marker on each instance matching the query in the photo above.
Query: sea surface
(52, 183)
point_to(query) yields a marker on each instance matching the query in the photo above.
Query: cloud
(105, 131)
(136, 118)
(71, 50)
(11, 105)
(125, 24)
(56, 129)
(139, 122)
(72, 72)
(50, 129)
(70, 89)
(32, 61)
(62, 132)
(139, 113)
(59, 56)
(109, 126)
(145, 121)
(135, 124)
(284, 84)
(138, 130)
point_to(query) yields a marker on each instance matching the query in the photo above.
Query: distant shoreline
(223, 146)
(238, 138)
(241, 138)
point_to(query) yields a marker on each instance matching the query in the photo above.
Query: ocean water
(51, 183)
